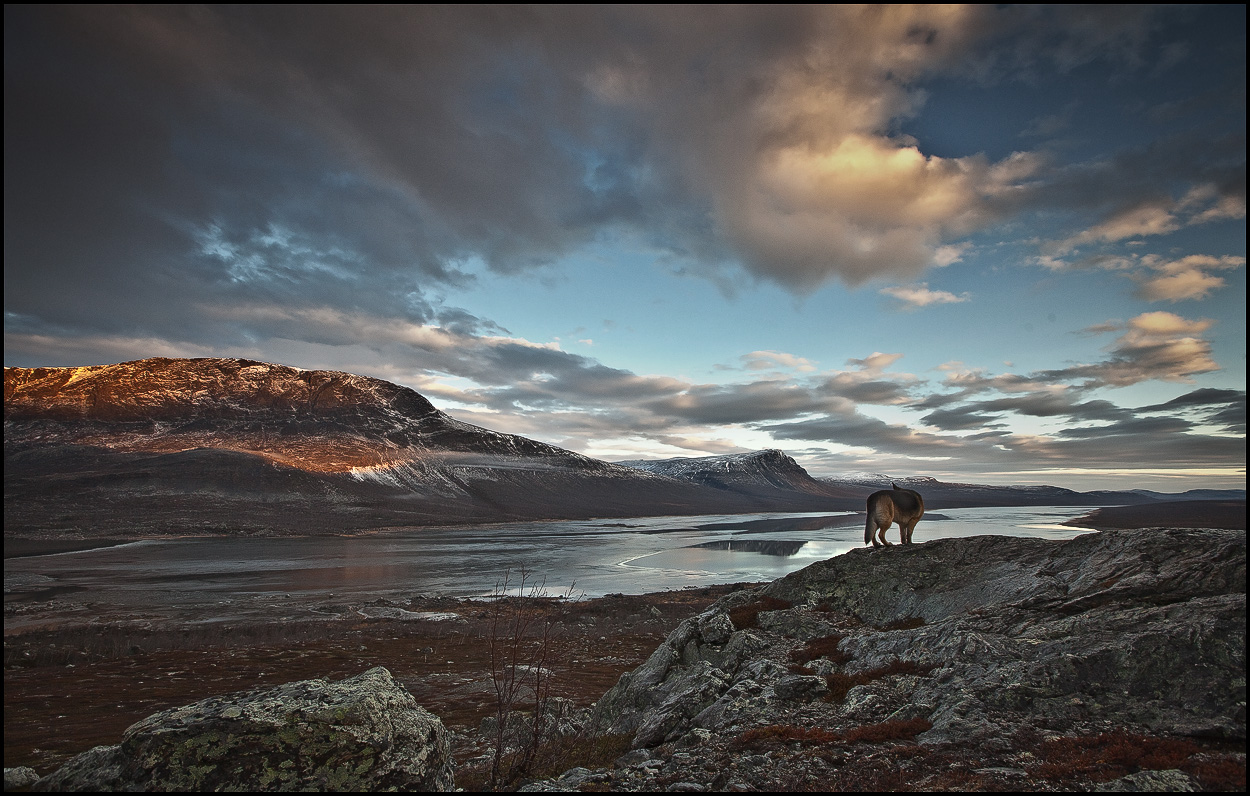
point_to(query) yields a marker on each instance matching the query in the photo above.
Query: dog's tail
(870, 525)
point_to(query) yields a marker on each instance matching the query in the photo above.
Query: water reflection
(187, 577)
(768, 547)
(772, 524)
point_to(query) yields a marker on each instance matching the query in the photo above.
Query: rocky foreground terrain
(986, 662)
(1113, 661)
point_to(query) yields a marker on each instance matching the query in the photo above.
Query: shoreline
(1224, 514)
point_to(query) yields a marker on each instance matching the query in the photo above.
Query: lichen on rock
(364, 733)
(979, 636)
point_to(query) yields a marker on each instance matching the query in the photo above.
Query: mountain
(940, 494)
(237, 446)
(231, 445)
(772, 472)
(758, 474)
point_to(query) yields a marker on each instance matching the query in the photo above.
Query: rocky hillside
(236, 446)
(984, 663)
(313, 420)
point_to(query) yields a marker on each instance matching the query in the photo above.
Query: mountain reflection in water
(197, 579)
(768, 547)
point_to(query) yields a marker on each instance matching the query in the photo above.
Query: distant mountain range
(236, 446)
(940, 494)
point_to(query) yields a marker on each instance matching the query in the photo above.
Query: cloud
(1186, 278)
(869, 383)
(1159, 214)
(222, 137)
(1188, 284)
(1152, 218)
(919, 295)
(1158, 278)
(1050, 124)
(369, 161)
(1052, 403)
(875, 362)
(1154, 345)
(769, 360)
(858, 430)
(1119, 445)
(1209, 406)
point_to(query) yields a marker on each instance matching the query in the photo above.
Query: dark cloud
(1053, 404)
(159, 156)
(308, 183)
(1205, 397)
(1134, 426)
(869, 432)
(870, 392)
(1225, 408)
(1125, 446)
(962, 418)
(1232, 417)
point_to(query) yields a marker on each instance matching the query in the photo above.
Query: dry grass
(840, 684)
(906, 623)
(745, 616)
(775, 735)
(897, 730)
(1101, 758)
(122, 674)
(826, 647)
(553, 758)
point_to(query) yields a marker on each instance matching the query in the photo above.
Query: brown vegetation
(840, 684)
(776, 735)
(1101, 758)
(747, 615)
(66, 691)
(826, 647)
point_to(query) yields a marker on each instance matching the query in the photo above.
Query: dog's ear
(894, 485)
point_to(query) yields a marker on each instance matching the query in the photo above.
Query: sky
(984, 244)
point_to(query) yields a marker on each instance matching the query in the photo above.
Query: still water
(181, 578)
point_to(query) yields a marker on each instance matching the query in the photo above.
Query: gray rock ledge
(1143, 630)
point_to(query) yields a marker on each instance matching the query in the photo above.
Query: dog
(904, 506)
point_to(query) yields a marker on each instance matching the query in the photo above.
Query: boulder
(19, 778)
(365, 733)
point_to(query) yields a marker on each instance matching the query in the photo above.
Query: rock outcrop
(365, 733)
(965, 643)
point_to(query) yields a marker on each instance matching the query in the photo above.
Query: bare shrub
(520, 636)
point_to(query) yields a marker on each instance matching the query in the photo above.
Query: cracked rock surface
(988, 648)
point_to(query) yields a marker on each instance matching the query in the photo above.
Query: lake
(211, 579)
